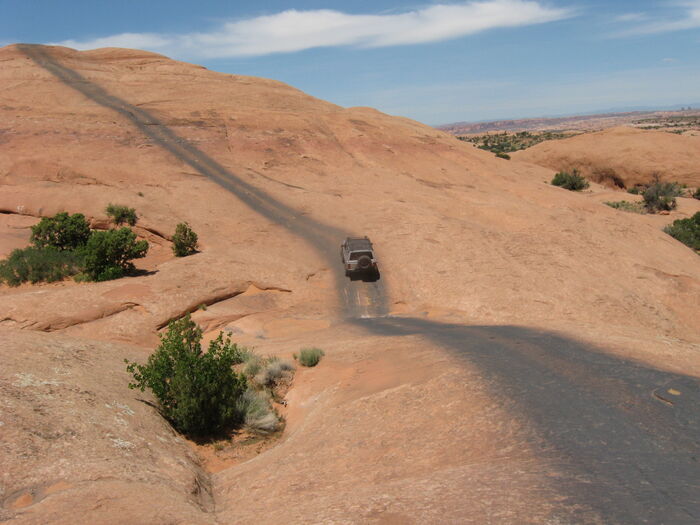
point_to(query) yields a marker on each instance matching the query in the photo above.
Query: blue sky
(435, 61)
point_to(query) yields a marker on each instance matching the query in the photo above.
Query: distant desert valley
(527, 351)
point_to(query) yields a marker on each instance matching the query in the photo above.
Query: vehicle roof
(358, 243)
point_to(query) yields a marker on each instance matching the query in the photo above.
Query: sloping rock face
(76, 444)
(622, 156)
(395, 425)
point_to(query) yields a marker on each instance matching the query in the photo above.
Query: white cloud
(293, 30)
(631, 17)
(690, 19)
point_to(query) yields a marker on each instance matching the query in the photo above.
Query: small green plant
(62, 231)
(122, 214)
(632, 207)
(502, 155)
(310, 356)
(661, 196)
(696, 194)
(108, 254)
(637, 189)
(34, 265)
(184, 240)
(198, 392)
(571, 181)
(686, 231)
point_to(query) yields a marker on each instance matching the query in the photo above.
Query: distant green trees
(661, 196)
(570, 181)
(108, 254)
(504, 143)
(64, 246)
(687, 231)
(122, 214)
(184, 240)
(62, 231)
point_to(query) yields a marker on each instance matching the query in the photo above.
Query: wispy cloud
(292, 30)
(689, 19)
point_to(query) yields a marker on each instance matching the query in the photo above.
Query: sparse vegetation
(35, 265)
(686, 231)
(696, 194)
(184, 240)
(122, 214)
(64, 246)
(504, 143)
(637, 189)
(661, 196)
(108, 254)
(265, 375)
(632, 207)
(571, 181)
(502, 155)
(309, 356)
(257, 413)
(198, 392)
(62, 232)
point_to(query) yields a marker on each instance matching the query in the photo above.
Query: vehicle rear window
(356, 255)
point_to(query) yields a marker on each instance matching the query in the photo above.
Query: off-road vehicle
(357, 255)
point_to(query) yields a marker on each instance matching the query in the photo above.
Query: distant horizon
(610, 111)
(437, 62)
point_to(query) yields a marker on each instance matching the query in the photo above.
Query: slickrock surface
(506, 296)
(623, 155)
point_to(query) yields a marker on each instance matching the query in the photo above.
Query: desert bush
(661, 196)
(108, 254)
(310, 356)
(502, 155)
(122, 214)
(198, 392)
(571, 181)
(637, 190)
(184, 240)
(34, 265)
(272, 371)
(62, 231)
(256, 411)
(686, 230)
(696, 194)
(633, 207)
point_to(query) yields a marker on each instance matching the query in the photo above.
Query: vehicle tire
(364, 263)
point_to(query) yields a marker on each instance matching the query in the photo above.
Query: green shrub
(633, 207)
(686, 230)
(502, 155)
(696, 195)
(310, 356)
(122, 214)
(108, 254)
(33, 265)
(62, 231)
(184, 240)
(571, 181)
(198, 392)
(661, 196)
(637, 190)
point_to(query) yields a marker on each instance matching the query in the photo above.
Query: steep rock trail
(324, 238)
(619, 448)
